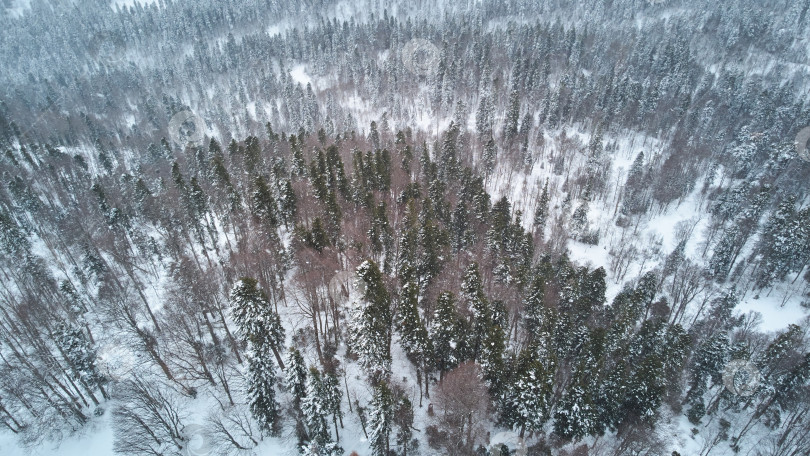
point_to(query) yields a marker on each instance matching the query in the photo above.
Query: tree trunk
(278, 357)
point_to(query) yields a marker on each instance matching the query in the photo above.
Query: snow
(775, 315)
(95, 439)
(300, 76)
(777, 308)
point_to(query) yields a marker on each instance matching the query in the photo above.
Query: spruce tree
(315, 409)
(332, 397)
(541, 212)
(576, 415)
(80, 356)
(490, 156)
(483, 116)
(414, 336)
(527, 399)
(264, 204)
(255, 317)
(261, 380)
(371, 321)
(432, 238)
(723, 255)
(381, 235)
(462, 235)
(380, 420)
(403, 420)
(510, 129)
(299, 167)
(447, 334)
(408, 245)
(287, 203)
(222, 179)
(261, 327)
(480, 315)
(534, 314)
(295, 377)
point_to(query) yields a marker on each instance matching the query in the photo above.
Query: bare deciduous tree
(148, 420)
(463, 402)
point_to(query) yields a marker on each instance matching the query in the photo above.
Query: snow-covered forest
(384, 227)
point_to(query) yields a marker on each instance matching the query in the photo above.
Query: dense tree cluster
(278, 270)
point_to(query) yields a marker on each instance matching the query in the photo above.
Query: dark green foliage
(315, 409)
(541, 212)
(448, 334)
(296, 376)
(288, 204)
(261, 379)
(264, 204)
(526, 402)
(414, 336)
(371, 321)
(381, 419)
